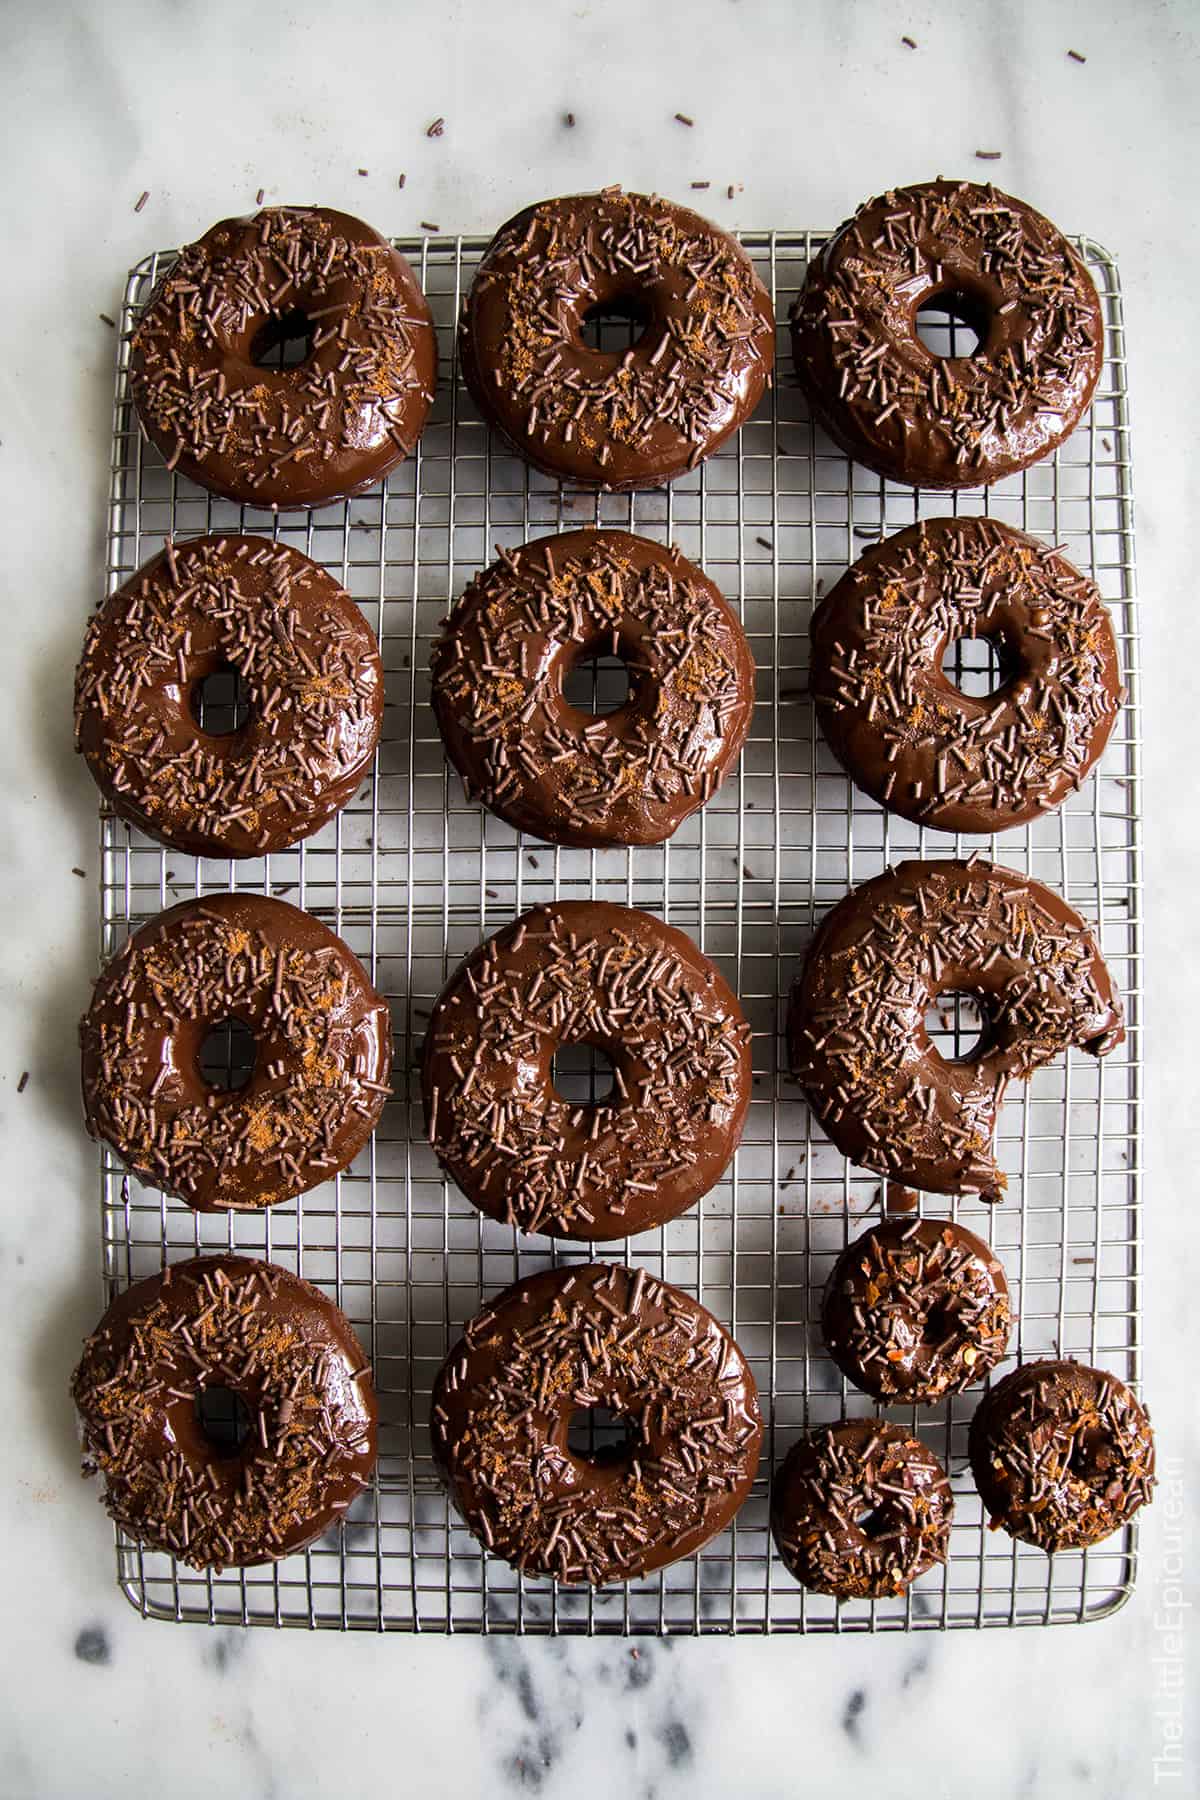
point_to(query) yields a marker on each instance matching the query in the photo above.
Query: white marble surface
(811, 107)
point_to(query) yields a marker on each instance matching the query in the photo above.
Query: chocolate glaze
(632, 776)
(596, 1336)
(834, 1476)
(310, 673)
(592, 973)
(934, 421)
(1062, 1454)
(322, 429)
(631, 419)
(915, 1309)
(322, 1052)
(294, 1362)
(856, 1020)
(913, 740)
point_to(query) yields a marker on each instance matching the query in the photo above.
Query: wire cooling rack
(412, 876)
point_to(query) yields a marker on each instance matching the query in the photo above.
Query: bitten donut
(900, 727)
(587, 1337)
(915, 1309)
(270, 1345)
(310, 678)
(948, 422)
(320, 429)
(856, 1019)
(586, 972)
(633, 418)
(321, 1057)
(536, 761)
(1062, 1454)
(860, 1509)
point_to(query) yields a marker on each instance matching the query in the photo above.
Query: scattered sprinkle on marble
(364, 171)
(402, 181)
(105, 320)
(569, 119)
(92, 1645)
(910, 43)
(260, 196)
(436, 129)
(989, 155)
(24, 1081)
(1076, 56)
(427, 225)
(684, 120)
(765, 542)
(82, 873)
(142, 199)
(702, 184)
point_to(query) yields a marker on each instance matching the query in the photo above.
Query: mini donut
(915, 1309)
(632, 776)
(310, 675)
(635, 418)
(1062, 1454)
(913, 740)
(586, 972)
(856, 1018)
(860, 1509)
(584, 1337)
(322, 1052)
(322, 429)
(292, 1360)
(934, 421)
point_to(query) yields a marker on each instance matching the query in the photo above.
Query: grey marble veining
(804, 110)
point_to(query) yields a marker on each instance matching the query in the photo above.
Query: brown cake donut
(632, 776)
(587, 1337)
(860, 1509)
(635, 418)
(1062, 1454)
(310, 678)
(934, 421)
(268, 1343)
(915, 1309)
(856, 1019)
(320, 429)
(900, 727)
(322, 1052)
(586, 972)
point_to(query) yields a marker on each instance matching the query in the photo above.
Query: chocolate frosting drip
(597, 1336)
(322, 1052)
(592, 973)
(856, 1019)
(640, 417)
(1062, 1454)
(311, 678)
(831, 1479)
(539, 763)
(915, 1309)
(912, 739)
(290, 1357)
(944, 422)
(322, 429)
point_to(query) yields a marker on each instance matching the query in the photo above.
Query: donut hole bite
(596, 684)
(223, 1420)
(583, 1074)
(953, 323)
(283, 340)
(602, 1438)
(616, 324)
(227, 1056)
(958, 1027)
(220, 702)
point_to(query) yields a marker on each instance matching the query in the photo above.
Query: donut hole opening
(953, 324)
(283, 340)
(939, 1323)
(224, 1419)
(221, 702)
(597, 685)
(600, 1436)
(582, 1075)
(615, 325)
(978, 666)
(956, 1024)
(226, 1056)
(872, 1521)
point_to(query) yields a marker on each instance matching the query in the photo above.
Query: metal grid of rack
(412, 876)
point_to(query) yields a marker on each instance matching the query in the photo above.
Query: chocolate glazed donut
(1062, 1454)
(856, 1019)
(321, 1059)
(632, 776)
(586, 972)
(587, 1337)
(321, 429)
(948, 422)
(292, 1364)
(900, 727)
(635, 418)
(310, 676)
